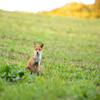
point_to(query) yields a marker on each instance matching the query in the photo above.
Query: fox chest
(36, 60)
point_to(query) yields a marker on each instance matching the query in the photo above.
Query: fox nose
(37, 52)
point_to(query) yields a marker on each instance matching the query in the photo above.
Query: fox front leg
(31, 72)
(37, 69)
(39, 63)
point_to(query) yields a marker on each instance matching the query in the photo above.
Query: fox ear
(42, 45)
(34, 44)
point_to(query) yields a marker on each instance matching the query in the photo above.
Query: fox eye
(35, 49)
(39, 49)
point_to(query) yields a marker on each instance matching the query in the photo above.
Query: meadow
(70, 58)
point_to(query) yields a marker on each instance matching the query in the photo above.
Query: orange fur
(34, 61)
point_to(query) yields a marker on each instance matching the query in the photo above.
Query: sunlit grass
(70, 59)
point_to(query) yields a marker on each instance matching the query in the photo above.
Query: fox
(34, 62)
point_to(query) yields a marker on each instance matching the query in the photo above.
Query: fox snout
(38, 53)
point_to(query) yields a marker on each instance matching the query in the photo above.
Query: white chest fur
(37, 58)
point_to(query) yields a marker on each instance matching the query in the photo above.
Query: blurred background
(76, 8)
(71, 54)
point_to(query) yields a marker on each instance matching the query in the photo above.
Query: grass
(70, 59)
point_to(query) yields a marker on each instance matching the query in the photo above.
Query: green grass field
(70, 58)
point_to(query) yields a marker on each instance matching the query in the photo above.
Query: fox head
(38, 48)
